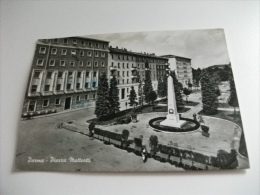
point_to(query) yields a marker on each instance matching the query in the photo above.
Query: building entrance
(67, 103)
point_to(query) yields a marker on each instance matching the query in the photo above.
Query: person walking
(144, 154)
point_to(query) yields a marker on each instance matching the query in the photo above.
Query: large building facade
(183, 68)
(129, 68)
(64, 74)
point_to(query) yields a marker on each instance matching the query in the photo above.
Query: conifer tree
(132, 97)
(233, 101)
(140, 93)
(177, 90)
(147, 85)
(164, 86)
(209, 97)
(160, 87)
(113, 96)
(102, 110)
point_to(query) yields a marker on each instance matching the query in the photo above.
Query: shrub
(123, 120)
(205, 128)
(125, 134)
(138, 142)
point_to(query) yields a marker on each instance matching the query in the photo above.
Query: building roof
(82, 37)
(174, 56)
(125, 51)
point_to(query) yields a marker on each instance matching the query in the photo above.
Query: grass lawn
(229, 115)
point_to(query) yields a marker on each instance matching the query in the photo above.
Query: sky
(204, 47)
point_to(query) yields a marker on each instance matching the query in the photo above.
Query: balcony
(133, 68)
(113, 68)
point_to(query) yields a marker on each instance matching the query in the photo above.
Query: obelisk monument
(172, 118)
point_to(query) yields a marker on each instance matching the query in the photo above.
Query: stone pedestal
(172, 118)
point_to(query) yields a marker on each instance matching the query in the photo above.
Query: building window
(36, 74)
(96, 64)
(127, 81)
(42, 50)
(127, 73)
(103, 64)
(118, 65)
(62, 63)
(95, 74)
(54, 51)
(68, 86)
(78, 85)
(79, 74)
(94, 84)
(65, 41)
(47, 88)
(55, 40)
(94, 96)
(87, 74)
(86, 97)
(81, 53)
(86, 85)
(34, 88)
(72, 63)
(80, 63)
(83, 43)
(96, 54)
(60, 74)
(89, 53)
(64, 52)
(123, 73)
(49, 74)
(123, 81)
(70, 74)
(45, 103)
(57, 101)
(39, 62)
(52, 63)
(89, 63)
(90, 44)
(32, 106)
(103, 55)
(118, 73)
(127, 65)
(97, 45)
(73, 52)
(74, 41)
(77, 98)
(58, 87)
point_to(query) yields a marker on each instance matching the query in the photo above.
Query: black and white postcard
(139, 101)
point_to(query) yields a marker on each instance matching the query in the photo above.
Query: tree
(160, 87)
(186, 92)
(177, 90)
(190, 85)
(141, 93)
(209, 97)
(152, 97)
(132, 97)
(164, 85)
(113, 96)
(233, 101)
(147, 85)
(102, 109)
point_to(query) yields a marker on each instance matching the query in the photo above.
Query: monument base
(171, 123)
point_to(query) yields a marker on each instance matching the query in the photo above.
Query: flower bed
(173, 129)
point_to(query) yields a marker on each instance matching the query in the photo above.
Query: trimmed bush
(138, 142)
(123, 120)
(205, 128)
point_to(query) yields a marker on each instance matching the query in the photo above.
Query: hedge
(174, 129)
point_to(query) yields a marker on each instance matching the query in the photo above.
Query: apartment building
(182, 67)
(129, 68)
(64, 74)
